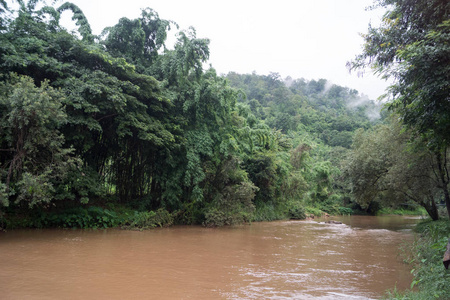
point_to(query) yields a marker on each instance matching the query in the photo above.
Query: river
(269, 260)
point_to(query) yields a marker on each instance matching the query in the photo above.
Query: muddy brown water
(270, 260)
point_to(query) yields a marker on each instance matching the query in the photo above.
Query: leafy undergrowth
(402, 212)
(431, 279)
(109, 215)
(148, 219)
(90, 217)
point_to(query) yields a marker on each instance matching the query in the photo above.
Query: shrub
(430, 276)
(417, 211)
(214, 218)
(163, 218)
(190, 213)
(232, 206)
(345, 211)
(140, 220)
(149, 219)
(314, 211)
(296, 211)
(217, 218)
(92, 217)
(269, 212)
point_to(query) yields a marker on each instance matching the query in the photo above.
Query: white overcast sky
(308, 39)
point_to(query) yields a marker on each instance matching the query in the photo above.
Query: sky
(308, 39)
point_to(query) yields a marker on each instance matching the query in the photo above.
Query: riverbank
(418, 211)
(110, 215)
(431, 279)
(94, 217)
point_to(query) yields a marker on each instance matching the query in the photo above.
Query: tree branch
(104, 117)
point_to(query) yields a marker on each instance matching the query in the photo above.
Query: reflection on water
(276, 260)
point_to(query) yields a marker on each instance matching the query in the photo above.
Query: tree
(406, 22)
(392, 166)
(84, 28)
(33, 157)
(423, 91)
(3, 9)
(151, 127)
(117, 118)
(412, 46)
(139, 40)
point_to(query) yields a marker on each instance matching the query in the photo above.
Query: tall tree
(390, 165)
(116, 117)
(33, 156)
(412, 46)
(139, 40)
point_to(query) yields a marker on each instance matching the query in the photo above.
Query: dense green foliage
(320, 120)
(123, 119)
(320, 108)
(412, 47)
(425, 256)
(123, 130)
(388, 166)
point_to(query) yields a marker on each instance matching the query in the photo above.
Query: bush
(269, 212)
(417, 211)
(216, 218)
(296, 211)
(190, 214)
(92, 217)
(149, 219)
(233, 205)
(430, 276)
(140, 220)
(314, 211)
(163, 218)
(345, 211)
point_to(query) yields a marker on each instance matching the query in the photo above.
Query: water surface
(274, 260)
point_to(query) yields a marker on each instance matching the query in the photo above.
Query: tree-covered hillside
(320, 118)
(124, 121)
(325, 110)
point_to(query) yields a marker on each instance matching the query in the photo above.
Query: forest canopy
(123, 121)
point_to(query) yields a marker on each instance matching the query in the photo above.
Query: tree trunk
(447, 200)
(431, 209)
(444, 177)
